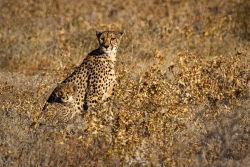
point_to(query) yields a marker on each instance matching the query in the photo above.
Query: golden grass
(183, 83)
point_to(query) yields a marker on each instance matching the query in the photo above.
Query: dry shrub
(56, 34)
(158, 120)
(171, 107)
(223, 79)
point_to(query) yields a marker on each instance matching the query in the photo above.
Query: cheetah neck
(112, 57)
(98, 52)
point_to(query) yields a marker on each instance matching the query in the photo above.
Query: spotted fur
(95, 77)
(63, 93)
(60, 112)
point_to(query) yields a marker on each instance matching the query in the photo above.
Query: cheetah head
(66, 92)
(109, 41)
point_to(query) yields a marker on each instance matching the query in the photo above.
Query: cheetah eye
(112, 39)
(102, 39)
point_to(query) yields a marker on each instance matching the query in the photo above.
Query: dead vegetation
(183, 83)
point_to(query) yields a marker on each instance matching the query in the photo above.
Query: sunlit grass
(182, 97)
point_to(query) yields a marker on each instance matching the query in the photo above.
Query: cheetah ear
(98, 34)
(119, 34)
(58, 86)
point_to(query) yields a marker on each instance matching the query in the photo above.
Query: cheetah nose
(106, 47)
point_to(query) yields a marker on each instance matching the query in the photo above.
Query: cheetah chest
(101, 78)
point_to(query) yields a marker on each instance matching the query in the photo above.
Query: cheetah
(95, 77)
(59, 113)
(64, 93)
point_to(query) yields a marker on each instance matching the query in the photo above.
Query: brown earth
(183, 74)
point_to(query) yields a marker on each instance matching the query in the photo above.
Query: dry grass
(183, 74)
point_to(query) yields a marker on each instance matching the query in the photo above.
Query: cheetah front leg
(99, 97)
(109, 93)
